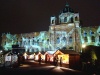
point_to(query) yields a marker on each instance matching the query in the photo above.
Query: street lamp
(83, 47)
(0, 51)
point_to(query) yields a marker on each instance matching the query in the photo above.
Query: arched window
(71, 19)
(76, 18)
(58, 40)
(42, 40)
(99, 38)
(48, 40)
(91, 33)
(17, 42)
(64, 38)
(52, 21)
(85, 39)
(17, 39)
(93, 39)
(5, 42)
(65, 19)
(38, 40)
(70, 39)
(20, 42)
(85, 34)
(29, 42)
(33, 42)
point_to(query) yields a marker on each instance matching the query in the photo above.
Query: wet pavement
(32, 67)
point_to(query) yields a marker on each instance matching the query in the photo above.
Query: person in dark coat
(18, 60)
(54, 59)
(61, 61)
(39, 59)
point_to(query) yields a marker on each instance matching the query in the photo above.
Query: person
(61, 61)
(56, 61)
(18, 60)
(49, 60)
(39, 59)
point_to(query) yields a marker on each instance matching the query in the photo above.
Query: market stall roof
(61, 52)
(50, 52)
(40, 52)
(36, 53)
(58, 52)
(69, 52)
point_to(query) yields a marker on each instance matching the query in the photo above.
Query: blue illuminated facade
(65, 34)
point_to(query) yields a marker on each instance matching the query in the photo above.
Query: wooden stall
(74, 58)
(49, 55)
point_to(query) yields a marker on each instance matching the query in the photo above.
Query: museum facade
(65, 33)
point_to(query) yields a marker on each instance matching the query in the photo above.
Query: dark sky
(25, 16)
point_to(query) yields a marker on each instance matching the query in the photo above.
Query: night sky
(25, 16)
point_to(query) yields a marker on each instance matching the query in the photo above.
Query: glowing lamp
(83, 46)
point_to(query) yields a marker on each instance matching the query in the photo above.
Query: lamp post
(83, 47)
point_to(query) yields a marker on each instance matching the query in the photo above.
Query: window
(99, 38)
(76, 18)
(65, 19)
(5, 42)
(52, 21)
(58, 40)
(64, 38)
(71, 48)
(42, 40)
(38, 40)
(92, 32)
(20, 42)
(17, 42)
(33, 42)
(93, 39)
(29, 42)
(48, 40)
(85, 34)
(71, 19)
(85, 39)
(17, 39)
(70, 39)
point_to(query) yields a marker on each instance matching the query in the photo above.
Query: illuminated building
(64, 33)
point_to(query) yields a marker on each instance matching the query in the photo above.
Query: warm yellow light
(25, 55)
(36, 57)
(30, 56)
(65, 58)
(43, 57)
(84, 45)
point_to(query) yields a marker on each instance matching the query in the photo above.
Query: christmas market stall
(49, 56)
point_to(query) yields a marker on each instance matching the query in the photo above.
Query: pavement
(33, 67)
